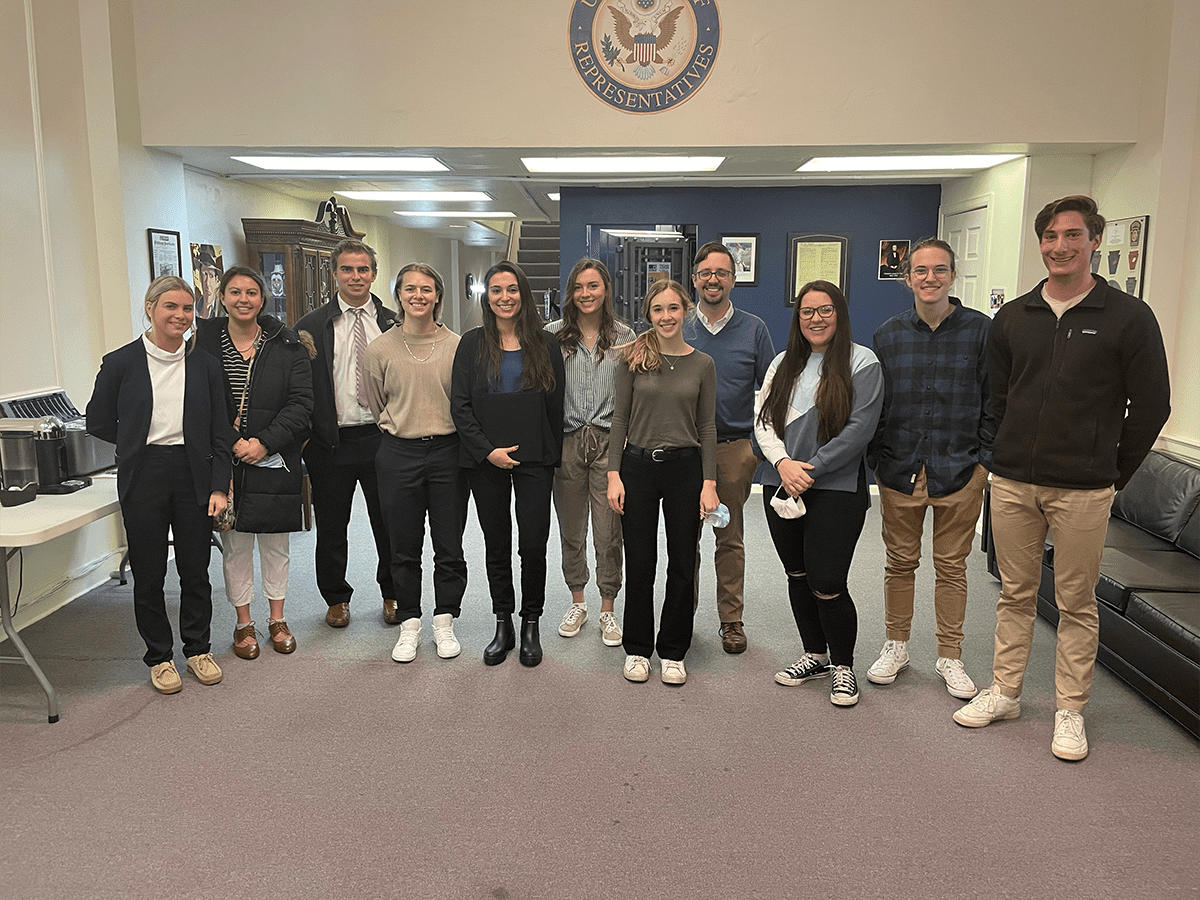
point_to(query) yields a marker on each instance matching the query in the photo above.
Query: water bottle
(719, 517)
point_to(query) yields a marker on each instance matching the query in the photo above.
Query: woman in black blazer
(507, 403)
(270, 380)
(165, 408)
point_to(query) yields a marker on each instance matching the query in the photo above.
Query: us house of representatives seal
(644, 56)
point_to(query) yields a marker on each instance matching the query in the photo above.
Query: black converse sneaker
(805, 668)
(845, 687)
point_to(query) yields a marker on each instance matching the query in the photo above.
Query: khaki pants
(736, 465)
(580, 492)
(954, 518)
(1021, 516)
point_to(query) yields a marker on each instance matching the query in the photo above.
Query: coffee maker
(49, 443)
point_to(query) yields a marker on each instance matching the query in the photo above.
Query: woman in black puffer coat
(270, 402)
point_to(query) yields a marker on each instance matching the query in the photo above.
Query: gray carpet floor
(335, 772)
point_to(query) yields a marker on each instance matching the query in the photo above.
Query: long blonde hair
(643, 354)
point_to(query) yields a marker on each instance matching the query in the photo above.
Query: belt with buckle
(662, 454)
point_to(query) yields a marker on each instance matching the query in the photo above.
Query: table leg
(26, 657)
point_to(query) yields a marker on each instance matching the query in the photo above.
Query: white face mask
(787, 507)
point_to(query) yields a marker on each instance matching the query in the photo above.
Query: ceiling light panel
(620, 164)
(454, 214)
(344, 163)
(407, 196)
(905, 163)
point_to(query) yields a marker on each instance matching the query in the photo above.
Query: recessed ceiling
(500, 174)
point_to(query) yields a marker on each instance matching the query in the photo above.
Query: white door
(966, 232)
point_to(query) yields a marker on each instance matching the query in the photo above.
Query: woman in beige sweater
(407, 375)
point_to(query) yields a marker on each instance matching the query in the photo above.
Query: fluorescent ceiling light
(455, 214)
(622, 164)
(905, 163)
(625, 233)
(345, 163)
(554, 196)
(405, 196)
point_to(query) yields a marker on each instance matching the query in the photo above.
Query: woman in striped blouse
(271, 398)
(589, 334)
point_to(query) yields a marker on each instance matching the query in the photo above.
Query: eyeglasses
(939, 271)
(806, 312)
(705, 274)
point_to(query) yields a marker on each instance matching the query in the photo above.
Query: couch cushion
(1189, 538)
(1124, 536)
(1123, 571)
(1173, 618)
(1160, 496)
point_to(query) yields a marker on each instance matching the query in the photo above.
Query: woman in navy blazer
(167, 411)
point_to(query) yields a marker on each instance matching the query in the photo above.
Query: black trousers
(816, 551)
(418, 478)
(675, 485)
(162, 499)
(493, 489)
(334, 474)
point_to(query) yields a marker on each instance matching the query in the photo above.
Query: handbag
(226, 519)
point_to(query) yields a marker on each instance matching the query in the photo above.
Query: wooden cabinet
(294, 256)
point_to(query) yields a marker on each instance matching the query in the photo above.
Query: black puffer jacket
(279, 413)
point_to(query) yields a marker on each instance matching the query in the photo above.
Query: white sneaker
(893, 659)
(673, 671)
(610, 630)
(573, 620)
(988, 706)
(637, 668)
(448, 646)
(406, 648)
(1070, 740)
(958, 682)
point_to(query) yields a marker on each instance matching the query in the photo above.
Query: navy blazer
(315, 331)
(122, 402)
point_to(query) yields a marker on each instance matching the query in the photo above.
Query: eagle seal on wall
(644, 46)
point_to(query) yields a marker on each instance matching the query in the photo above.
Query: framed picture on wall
(166, 257)
(207, 269)
(815, 257)
(1121, 259)
(891, 257)
(743, 248)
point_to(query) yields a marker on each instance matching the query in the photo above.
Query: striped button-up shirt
(937, 409)
(590, 381)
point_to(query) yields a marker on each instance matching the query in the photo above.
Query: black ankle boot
(531, 642)
(497, 651)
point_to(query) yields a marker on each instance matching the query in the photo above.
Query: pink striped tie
(360, 356)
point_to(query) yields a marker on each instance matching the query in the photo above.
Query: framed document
(166, 257)
(815, 257)
(743, 249)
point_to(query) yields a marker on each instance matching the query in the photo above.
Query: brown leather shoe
(390, 615)
(733, 637)
(245, 651)
(338, 615)
(281, 638)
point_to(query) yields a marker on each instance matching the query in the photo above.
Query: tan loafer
(338, 615)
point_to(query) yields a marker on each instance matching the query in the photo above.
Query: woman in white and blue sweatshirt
(816, 413)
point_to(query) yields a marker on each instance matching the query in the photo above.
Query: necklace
(428, 356)
(253, 342)
(668, 360)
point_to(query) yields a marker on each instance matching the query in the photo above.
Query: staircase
(537, 255)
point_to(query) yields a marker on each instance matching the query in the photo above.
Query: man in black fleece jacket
(1079, 382)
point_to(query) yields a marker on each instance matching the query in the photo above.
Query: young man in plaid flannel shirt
(931, 449)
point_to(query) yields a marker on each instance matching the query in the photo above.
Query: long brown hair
(643, 354)
(536, 371)
(569, 335)
(835, 393)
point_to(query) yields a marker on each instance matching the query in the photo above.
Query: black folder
(515, 418)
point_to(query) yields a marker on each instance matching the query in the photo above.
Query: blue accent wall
(867, 213)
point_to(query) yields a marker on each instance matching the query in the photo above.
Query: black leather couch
(1149, 588)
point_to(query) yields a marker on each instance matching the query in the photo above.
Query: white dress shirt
(345, 375)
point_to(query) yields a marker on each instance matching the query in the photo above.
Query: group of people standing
(614, 428)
